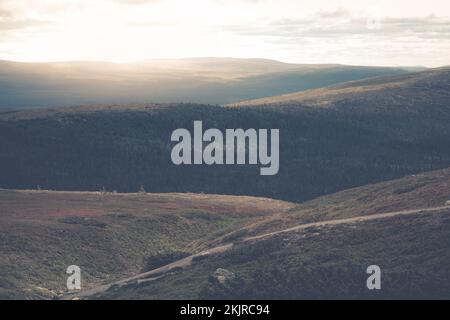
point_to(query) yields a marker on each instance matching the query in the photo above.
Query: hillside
(407, 238)
(109, 235)
(273, 249)
(402, 91)
(425, 190)
(326, 262)
(201, 80)
(366, 137)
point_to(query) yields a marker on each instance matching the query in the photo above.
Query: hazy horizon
(154, 60)
(366, 33)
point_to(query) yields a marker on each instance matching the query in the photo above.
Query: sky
(363, 32)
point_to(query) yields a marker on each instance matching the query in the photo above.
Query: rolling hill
(199, 246)
(200, 80)
(392, 127)
(401, 225)
(402, 91)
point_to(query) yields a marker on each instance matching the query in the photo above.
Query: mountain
(319, 250)
(199, 80)
(334, 139)
(109, 235)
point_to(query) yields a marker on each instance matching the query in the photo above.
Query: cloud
(10, 23)
(136, 2)
(13, 18)
(345, 37)
(4, 14)
(342, 24)
(311, 32)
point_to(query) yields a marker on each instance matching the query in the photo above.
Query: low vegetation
(329, 261)
(109, 236)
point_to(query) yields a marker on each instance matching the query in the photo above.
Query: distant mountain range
(195, 80)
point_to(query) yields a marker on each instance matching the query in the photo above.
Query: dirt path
(185, 262)
(349, 220)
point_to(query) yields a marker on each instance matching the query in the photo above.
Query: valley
(363, 180)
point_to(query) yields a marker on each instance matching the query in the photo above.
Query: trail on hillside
(187, 261)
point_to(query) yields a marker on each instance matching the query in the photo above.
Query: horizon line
(139, 61)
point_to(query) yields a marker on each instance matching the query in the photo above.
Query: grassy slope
(108, 235)
(330, 261)
(327, 263)
(430, 189)
(394, 89)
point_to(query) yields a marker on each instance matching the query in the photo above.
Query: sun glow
(294, 31)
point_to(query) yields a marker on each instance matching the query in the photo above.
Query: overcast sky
(362, 32)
